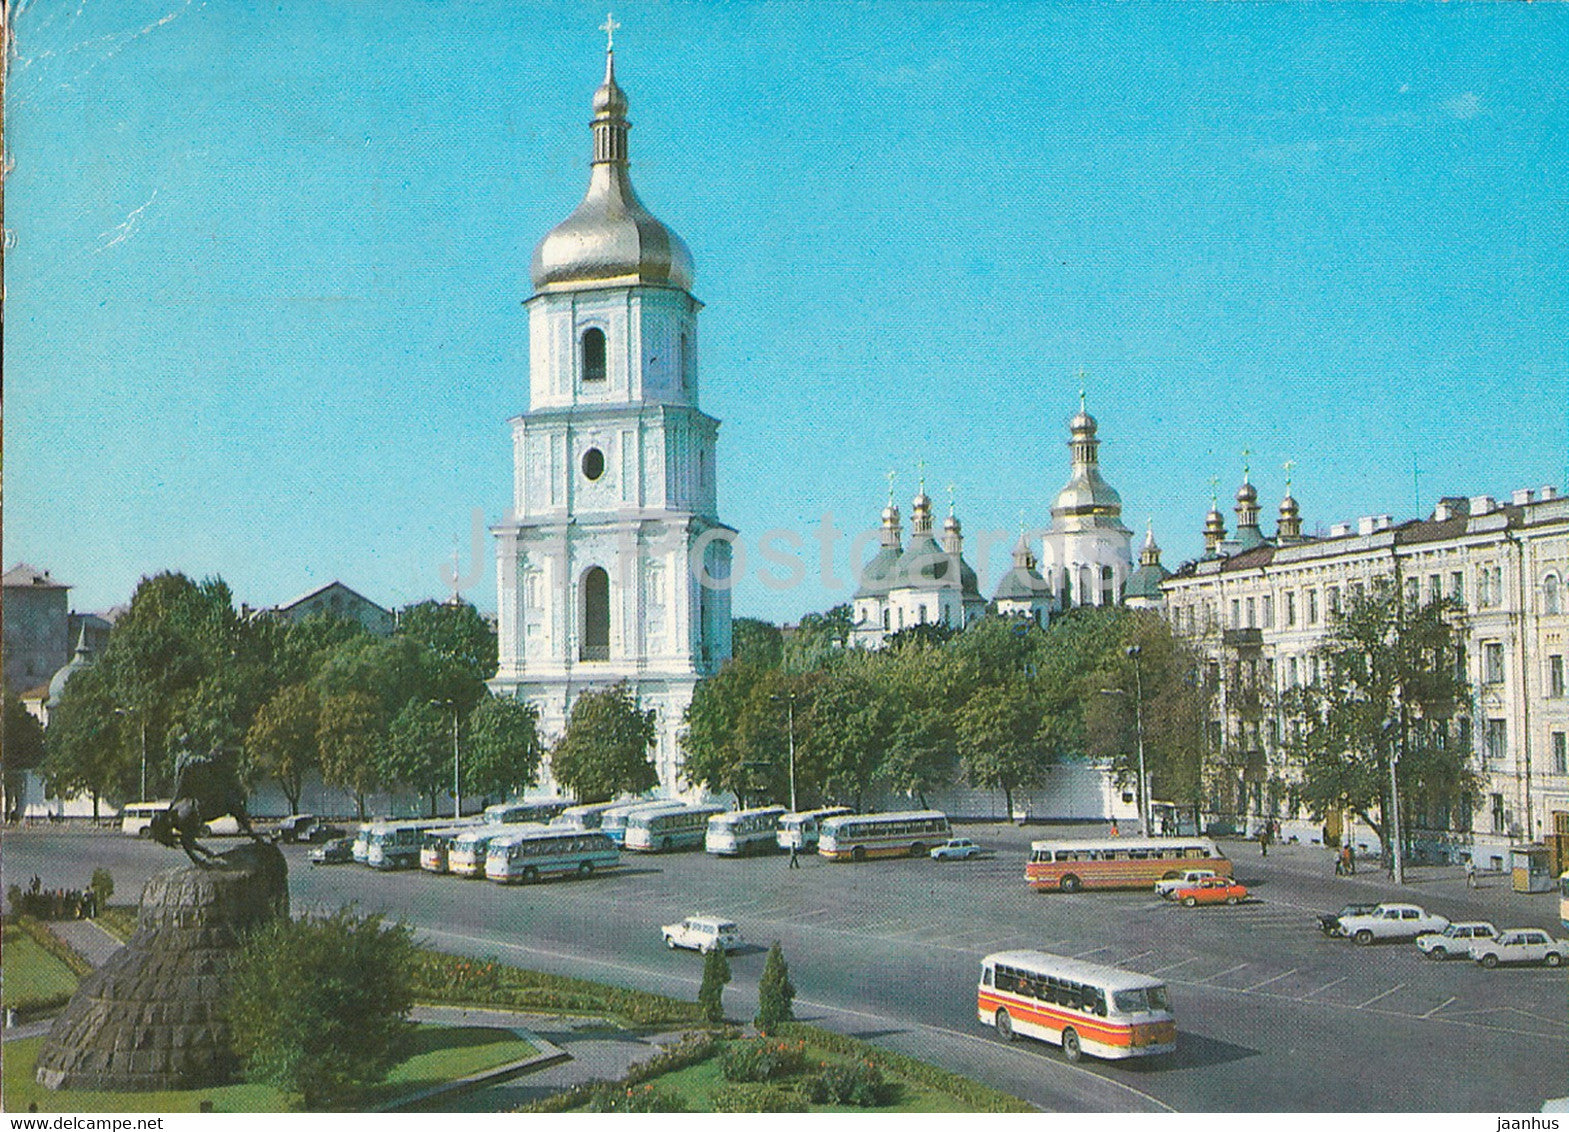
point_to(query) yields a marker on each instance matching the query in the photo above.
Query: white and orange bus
(1119, 862)
(1083, 1007)
(855, 837)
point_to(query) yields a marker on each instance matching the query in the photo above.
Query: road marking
(1277, 978)
(814, 912)
(1218, 974)
(1376, 997)
(1140, 955)
(1091, 951)
(1437, 1008)
(1325, 987)
(1174, 966)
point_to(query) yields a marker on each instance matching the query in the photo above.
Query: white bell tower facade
(614, 565)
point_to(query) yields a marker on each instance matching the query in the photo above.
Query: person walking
(795, 861)
(1263, 840)
(1470, 872)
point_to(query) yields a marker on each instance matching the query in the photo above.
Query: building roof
(284, 607)
(24, 575)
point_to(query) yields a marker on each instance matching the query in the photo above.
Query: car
(1329, 922)
(702, 933)
(1455, 941)
(319, 832)
(1391, 921)
(1521, 945)
(1211, 890)
(336, 852)
(292, 828)
(956, 849)
(1167, 886)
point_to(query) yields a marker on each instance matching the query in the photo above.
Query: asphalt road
(1272, 1015)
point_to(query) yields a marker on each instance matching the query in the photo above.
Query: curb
(549, 1054)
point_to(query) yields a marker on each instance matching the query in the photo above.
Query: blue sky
(264, 296)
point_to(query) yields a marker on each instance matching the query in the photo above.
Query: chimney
(1547, 493)
(1338, 530)
(1481, 504)
(1522, 496)
(1366, 525)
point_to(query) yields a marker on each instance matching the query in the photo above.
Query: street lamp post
(457, 791)
(789, 699)
(1133, 652)
(143, 717)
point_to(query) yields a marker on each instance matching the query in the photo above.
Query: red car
(1212, 890)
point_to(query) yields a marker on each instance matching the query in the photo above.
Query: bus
(656, 831)
(799, 830)
(855, 837)
(613, 821)
(1119, 862)
(584, 816)
(515, 813)
(533, 854)
(740, 832)
(1083, 1007)
(395, 844)
(466, 857)
(1563, 901)
(362, 841)
(136, 818)
(436, 846)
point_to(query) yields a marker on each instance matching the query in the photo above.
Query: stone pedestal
(156, 1015)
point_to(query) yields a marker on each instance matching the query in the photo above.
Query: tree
(22, 740)
(737, 737)
(848, 728)
(87, 746)
(1393, 687)
(999, 737)
(281, 744)
(775, 992)
(605, 749)
(716, 974)
(351, 733)
(419, 750)
(818, 639)
(922, 753)
(504, 748)
(458, 650)
(319, 1005)
(756, 642)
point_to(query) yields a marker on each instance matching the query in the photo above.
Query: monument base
(155, 1016)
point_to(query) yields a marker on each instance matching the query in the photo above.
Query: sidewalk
(86, 938)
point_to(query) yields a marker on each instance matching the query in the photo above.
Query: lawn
(440, 1053)
(696, 1085)
(33, 977)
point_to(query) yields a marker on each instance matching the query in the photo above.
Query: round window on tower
(593, 463)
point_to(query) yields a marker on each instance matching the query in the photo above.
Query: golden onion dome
(610, 237)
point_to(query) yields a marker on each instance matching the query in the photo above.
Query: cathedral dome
(610, 237)
(80, 659)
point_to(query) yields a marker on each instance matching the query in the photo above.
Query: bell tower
(614, 565)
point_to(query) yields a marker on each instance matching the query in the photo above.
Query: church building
(614, 565)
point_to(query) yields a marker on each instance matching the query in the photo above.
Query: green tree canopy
(88, 746)
(999, 731)
(22, 740)
(351, 734)
(459, 649)
(319, 1005)
(281, 744)
(756, 642)
(419, 754)
(605, 749)
(504, 748)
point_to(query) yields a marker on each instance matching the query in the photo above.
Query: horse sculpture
(206, 787)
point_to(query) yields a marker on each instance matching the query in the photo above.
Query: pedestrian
(795, 862)
(1346, 866)
(1263, 840)
(1470, 872)
(1115, 832)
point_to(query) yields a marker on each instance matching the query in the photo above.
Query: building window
(1413, 597)
(1497, 808)
(1482, 598)
(1313, 670)
(1269, 611)
(885, 620)
(1435, 588)
(1492, 662)
(1457, 586)
(1236, 613)
(593, 354)
(1550, 603)
(1496, 744)
(593, 464)
(1312, 607)
(1252, 610)
(1498, 585)
(1358, 591)
(1291, 609)
(684, 362)
(596, 614)
(1560, 754)
(1555, 676)
(1332, 600)
(1291, 671)
(1465, 732)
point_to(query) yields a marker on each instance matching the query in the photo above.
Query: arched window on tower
(593, 354)
(1108, 587)
(684, 362)
(595, 641)
(1550, 600)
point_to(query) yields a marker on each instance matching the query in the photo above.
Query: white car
(1391, 921)
(1521, 945)
(1167, 887)
(702, 933)
(1455, 941)
(956, 849)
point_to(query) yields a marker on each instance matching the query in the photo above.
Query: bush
(453, 978)
(858, 1083)
(758, 1097)
(716, 973)
(319, 1005)
(633, 1098)
(978, 1097)
(102, 887)
(775, 992)
(758, 1060)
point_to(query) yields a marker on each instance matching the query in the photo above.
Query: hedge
(690, 1050)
